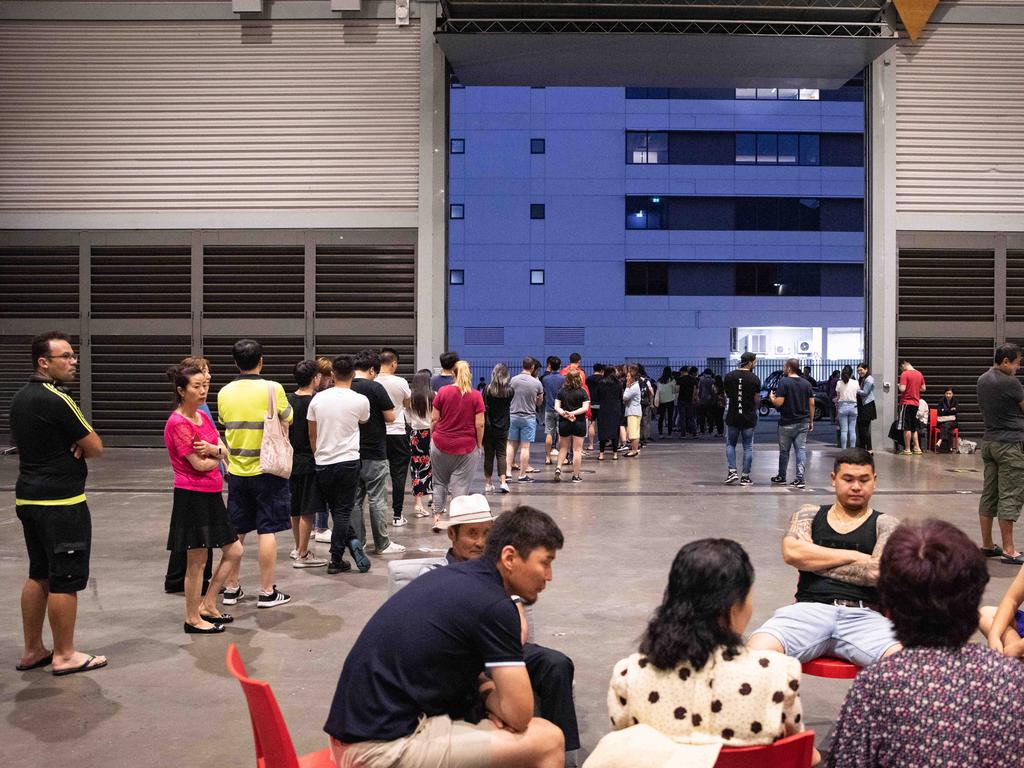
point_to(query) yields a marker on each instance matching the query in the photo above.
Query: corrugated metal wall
(959, 118)
(209, 115)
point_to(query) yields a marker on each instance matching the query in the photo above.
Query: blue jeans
(790, 435)
(847, 424)
(732, 437)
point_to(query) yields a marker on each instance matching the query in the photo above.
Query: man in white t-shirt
(397, 431)
(334, 417)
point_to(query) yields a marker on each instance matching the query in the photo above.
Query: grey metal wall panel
(959, 117)
(105, 117)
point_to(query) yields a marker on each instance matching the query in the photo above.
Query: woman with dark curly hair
(693, 680)
(942, 700)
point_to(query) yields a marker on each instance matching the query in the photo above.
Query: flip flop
(88, 666)
(35, 665)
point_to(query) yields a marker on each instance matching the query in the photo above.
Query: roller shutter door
(279, 358)
(366, 282)
(332, 346)
(946, 286)
(209, 115)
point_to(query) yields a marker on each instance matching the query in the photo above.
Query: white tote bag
(276, 449)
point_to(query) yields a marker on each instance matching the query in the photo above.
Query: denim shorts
(260, 503)
(550, 423)
(522, 429)
(810, 630)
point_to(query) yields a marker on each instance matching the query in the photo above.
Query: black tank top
(812, 588)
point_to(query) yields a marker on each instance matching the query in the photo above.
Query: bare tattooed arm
(865, 574)
(802, 553)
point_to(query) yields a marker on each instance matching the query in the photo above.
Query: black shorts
(576, 428)
(306, 496)
(58, 540)
(908, 418)
(260, 503)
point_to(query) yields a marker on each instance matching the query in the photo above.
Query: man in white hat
(551, 672)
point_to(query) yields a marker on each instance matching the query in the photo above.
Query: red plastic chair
(793, 751)
(933, 431)
(830, 666)
(274, 748)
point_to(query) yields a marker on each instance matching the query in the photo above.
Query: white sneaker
(398, 522)
(309, 561)
(294, 554)
(504, 488)
(488, 488)
(553, 452)
(324, 536)
(394, 548)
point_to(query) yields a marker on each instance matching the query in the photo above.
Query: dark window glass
(795, 279)
(657, 148)
(657, 278)
(537, 146)
(789, 215)
(788, 148)
(767, 148)
(745, 213)
(536, 210)
(746, 280)
(636, 278)
(702, 278)
(456, 277)
(647, 93)
(842, 215)
(636, 147)
(810, 215)
(646, 148)
(695, 213)
(746, 148)
(458, 146)
(457, 211)
(842, 279)
(645, 213)
(842, 149)
(809, 149)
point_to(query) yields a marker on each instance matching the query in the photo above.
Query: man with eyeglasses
(53, 440)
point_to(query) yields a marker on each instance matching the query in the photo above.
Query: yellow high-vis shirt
(241, 406)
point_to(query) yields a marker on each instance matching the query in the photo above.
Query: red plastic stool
(830, 666)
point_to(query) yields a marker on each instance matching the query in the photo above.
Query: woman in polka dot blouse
(693, 680)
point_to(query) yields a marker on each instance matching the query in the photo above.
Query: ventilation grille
(253, 282)
(15, 368)
(279, 359)
(141, 282)
(332, 346)
(365, 282)
(1015, 286)
(955, 363)
(563, 335)
(946, 285)
(131, 395)
(38, 282)
(489, 336)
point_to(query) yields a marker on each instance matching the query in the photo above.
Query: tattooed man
(836, 548)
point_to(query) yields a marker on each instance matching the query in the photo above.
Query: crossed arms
(850, 566)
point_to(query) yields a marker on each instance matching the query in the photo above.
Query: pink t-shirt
(456, 429)
(179, 434)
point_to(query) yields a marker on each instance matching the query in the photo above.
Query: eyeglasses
(65, 356)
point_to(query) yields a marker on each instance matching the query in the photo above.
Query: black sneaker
(577, 479)
(362, 561)
(339, 566)
(274, 598)
(525, 479)
(745, 480)
(232, 596)
(798, 483)
(732, 477)
(778, 480)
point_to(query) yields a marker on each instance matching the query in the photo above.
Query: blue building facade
(656, 224)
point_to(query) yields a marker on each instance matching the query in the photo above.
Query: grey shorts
(550, 423)
(810, 630)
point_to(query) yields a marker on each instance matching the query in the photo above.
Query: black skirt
(199, 520)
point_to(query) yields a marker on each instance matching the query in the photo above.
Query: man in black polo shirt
(837, 549)
(437, 677)
(53, 440)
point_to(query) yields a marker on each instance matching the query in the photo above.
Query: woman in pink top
(199, 520)
(456, 438)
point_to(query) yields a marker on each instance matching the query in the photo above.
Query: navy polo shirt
(423, 651)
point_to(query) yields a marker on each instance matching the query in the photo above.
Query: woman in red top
(456, 438)
(199, 520)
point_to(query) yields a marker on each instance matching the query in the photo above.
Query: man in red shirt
(911, 387)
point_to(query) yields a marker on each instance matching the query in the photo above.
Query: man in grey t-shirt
(527, 394)
(1001, 398)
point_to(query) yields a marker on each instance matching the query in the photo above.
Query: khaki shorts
(437, 742)
(632, 427)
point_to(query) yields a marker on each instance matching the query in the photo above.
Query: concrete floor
(166, 698)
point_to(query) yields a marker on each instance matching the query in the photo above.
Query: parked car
(822, 405)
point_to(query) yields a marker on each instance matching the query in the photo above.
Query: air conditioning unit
(780, 350)
(805, 346)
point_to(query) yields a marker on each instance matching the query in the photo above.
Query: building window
(778, 148)
(646, 147)
(746, 148)
(746, 93)
(767, 148)
(742, 278)
(788, 148)
(795, 279)
(773, 94)
(537, 146)
(810, 149)
(536, 210)
(458, 146)
(645, 213)
(647, 278)
(456, 277)
(456, 211)
(647, 93)
(536, 277)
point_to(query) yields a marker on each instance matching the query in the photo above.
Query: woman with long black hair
(419, 437)
(866, 411)
(667, 393)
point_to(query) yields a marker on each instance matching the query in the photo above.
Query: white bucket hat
(468, 509)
